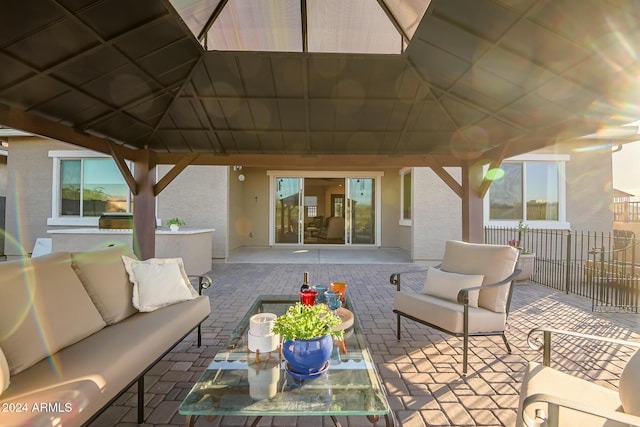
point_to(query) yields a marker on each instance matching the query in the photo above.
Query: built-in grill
(115, 221)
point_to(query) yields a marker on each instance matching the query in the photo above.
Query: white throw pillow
(4, 373)
(158, 282)
(443, 284)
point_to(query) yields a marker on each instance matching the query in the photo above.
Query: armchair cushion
(447, 314)
(495, 262)
(447, 285)
(629, 387)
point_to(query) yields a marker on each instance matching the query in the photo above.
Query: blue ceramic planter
(308, 357)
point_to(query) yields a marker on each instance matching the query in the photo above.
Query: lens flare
(494, 174)
(25, 281)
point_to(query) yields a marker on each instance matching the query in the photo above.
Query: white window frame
(57, 156)
(407, 222)
(561, 223)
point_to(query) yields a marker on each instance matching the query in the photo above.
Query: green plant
(522, 229)
(306, 322)
(176, 221)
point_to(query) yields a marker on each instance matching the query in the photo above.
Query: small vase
(308, 357)
(174, 227)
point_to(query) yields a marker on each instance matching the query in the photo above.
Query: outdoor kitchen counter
(193, 245)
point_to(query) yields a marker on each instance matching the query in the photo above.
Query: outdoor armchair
(468, 294)
(550, 398)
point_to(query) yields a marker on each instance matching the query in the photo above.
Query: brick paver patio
(420, 372)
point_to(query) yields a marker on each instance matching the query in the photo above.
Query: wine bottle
(305, 283)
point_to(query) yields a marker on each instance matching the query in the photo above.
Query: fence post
(567, 277)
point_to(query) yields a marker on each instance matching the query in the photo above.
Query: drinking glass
(333, 300)
(308, 297)
(320, 299)
(339, 287)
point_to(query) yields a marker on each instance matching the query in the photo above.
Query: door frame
(347, 176)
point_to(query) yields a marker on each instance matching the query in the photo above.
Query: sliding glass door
(363, 211)
(324, 208)
(287, 210)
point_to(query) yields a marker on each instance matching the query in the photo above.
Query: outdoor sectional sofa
(71, 339)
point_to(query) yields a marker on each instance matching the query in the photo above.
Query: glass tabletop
(239, 382)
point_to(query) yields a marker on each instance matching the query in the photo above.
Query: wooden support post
(144, 212)
(472, 205)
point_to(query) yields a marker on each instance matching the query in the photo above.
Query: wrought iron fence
(604, 267)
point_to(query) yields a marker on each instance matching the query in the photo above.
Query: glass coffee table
(238, 382)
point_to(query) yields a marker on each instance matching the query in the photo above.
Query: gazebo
(304, 83)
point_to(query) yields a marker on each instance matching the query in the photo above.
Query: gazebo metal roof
(479, 81)
(478, 78)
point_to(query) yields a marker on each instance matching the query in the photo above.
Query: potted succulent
(175, 223)
(306, 332)
(526, 260)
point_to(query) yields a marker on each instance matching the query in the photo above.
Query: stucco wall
(198, 196)
(213, 197)
(28, 192)
(250, 201)
(249, 210)
(590, 191)
(437, 214)
(394, 235)
(195, 196)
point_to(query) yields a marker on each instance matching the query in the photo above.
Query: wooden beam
(124, 170)
(174, 172)
(311, 162)
(144, 214)
(31, 123)
(446, 177)
(472, 205)
(495, 163)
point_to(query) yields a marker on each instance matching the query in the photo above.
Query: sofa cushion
(88, 374)
(540, 379)
(447, 314)
(104, 277)
(629, 387)
(158, 282)
(44, 308)
(4, 373)
(495, 262)
(447, 285)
